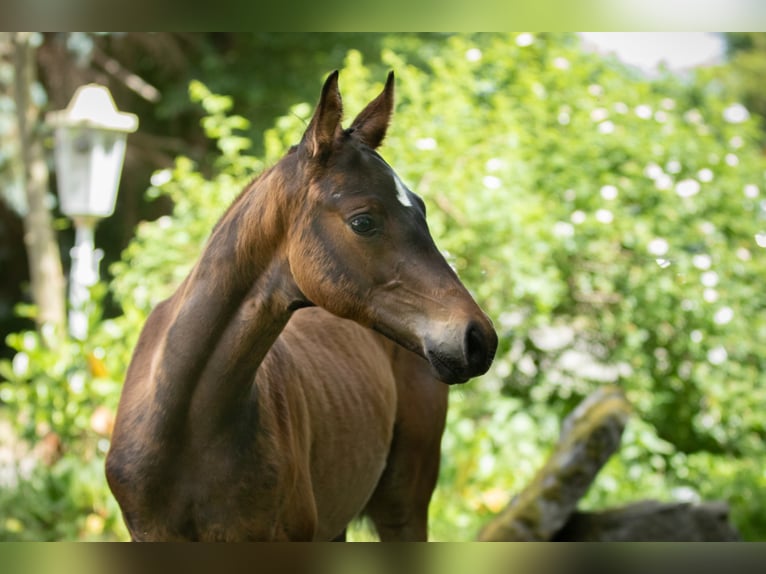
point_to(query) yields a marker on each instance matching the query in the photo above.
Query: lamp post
(89, 151)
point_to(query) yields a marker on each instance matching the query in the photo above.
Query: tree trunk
(45, 270)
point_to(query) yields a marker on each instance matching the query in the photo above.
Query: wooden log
(589, 436)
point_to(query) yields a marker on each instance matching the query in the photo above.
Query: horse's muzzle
(463, 355)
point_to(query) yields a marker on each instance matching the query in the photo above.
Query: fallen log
(589, 436)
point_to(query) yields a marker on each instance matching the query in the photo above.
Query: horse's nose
(460, 354)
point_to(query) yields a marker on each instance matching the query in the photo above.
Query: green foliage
(66, 501)
(610, 225)
(741, 74)
(59, 404)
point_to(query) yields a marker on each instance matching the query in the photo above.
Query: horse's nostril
(475, 348)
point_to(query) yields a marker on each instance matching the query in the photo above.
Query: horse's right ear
(325, 125)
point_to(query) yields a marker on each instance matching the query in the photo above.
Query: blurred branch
(131, 80)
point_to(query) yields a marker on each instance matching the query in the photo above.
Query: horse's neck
(224, 319)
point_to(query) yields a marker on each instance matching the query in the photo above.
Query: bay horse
(291, 383)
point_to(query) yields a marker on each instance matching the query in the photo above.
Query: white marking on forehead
(401, 192)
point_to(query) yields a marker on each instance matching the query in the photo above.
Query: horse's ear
(325, 126)
(372, 122)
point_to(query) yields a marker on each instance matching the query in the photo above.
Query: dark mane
(250, 186)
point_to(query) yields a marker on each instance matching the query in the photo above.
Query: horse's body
(246, 416)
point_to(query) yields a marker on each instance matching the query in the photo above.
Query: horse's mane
(253, 183)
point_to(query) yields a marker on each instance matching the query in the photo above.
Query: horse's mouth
(409, 345)
(444, 371)
(442, 367)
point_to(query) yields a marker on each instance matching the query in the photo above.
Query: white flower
(563, 118)
(426, 144)
(563, 229)
(621, 108)
(658, 246)
(653, 171)
(511, 319)
(705, 175)
(29, 341)
(717, 355)
(578, 217)
(744, 254)
(696, 336)
(595, 90)
(165, 222)
(687, 187)
(473, 55)
(77, 382)
(20, 364)
(663, 263)
(141, 293)
(731, 160)
(599, 114)
(751, 191)
(702, 261)
(161, 177)
(492, 182)
(664, 181)
(606, 127)
(502, 369)
(685, 494)
(723, 315)
(609, 192)
(693, 116)
(736, 114)
(495, 164)
(736, 142)
(710, 295)
(668, 103)
(561, 63)
(760, 239)
(709, 278)
(525, 39)
(660, 116)
(673, 166)
(644, 112)
(604, 216)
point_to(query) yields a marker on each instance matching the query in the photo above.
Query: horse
(297, 378)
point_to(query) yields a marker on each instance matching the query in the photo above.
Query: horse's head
(360, 247)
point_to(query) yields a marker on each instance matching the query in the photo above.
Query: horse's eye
(362, 225)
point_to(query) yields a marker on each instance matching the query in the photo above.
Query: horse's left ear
(372, 122)
(325, 126)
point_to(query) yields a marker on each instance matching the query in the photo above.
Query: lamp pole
(83, 275)
(90, 149)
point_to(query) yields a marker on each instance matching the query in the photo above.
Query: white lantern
(90, 150)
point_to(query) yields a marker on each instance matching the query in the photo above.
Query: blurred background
(602, 195)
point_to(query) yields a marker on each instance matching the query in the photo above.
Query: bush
(61, 401)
